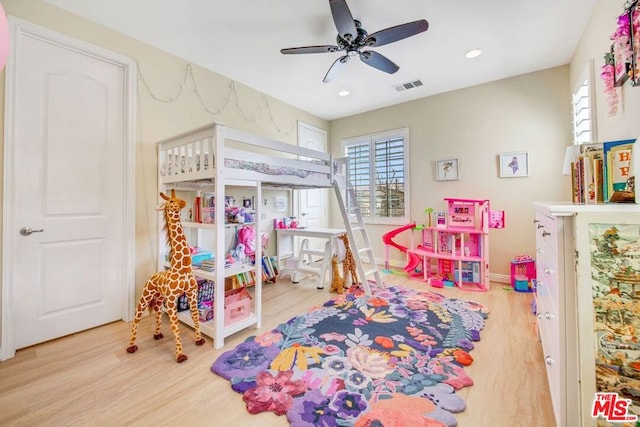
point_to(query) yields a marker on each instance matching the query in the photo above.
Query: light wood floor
(88, 379)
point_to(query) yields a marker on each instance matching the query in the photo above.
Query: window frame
(370, 140)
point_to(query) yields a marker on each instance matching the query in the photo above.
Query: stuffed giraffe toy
(337, 282)
(168, 285)
(348, 264)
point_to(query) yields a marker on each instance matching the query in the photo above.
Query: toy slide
(414, 260)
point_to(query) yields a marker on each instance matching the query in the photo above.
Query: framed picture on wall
(447, 170)
(514, 165)
(634, 17)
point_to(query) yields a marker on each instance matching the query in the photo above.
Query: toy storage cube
(526, 268)
(237, 305)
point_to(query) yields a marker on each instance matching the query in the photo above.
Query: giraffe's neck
(180, 255)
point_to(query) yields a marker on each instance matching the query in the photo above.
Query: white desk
(285, 249)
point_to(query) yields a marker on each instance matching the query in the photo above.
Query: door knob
(27, 231)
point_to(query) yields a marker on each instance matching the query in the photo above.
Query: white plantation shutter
(360, 175)
(378, 171)
(583, 106)
(389, 177)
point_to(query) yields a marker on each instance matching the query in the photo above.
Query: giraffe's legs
(192, 296)
(157, 307)
(354, 275)
(145, 299)
(173, 318)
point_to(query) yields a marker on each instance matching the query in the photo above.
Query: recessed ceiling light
(473, 53)
(343, 93)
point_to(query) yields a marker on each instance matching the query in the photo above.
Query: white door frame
(297, 199)
(24, 28)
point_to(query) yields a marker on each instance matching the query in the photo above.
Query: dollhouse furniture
(457, 249)
(523, 273)
(566, 309)
(210, 159)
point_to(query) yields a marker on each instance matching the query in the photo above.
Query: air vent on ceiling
(408, 85)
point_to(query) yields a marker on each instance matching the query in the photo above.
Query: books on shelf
(617, 165)
(601, 169)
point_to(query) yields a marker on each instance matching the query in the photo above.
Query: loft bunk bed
(213, 157)
(246, 157)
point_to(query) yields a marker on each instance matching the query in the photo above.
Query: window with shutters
(379, 174)
(583, 106)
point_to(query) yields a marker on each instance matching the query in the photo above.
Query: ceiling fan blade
(393, 34)
(310, 49)
(335, 68)
(378, 61)
(343, 19)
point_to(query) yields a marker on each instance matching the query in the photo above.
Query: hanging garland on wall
(621, 62)
(230, 96)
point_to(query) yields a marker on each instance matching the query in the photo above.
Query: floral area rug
(395, 358)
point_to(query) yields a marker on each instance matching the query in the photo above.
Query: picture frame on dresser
(514, 164)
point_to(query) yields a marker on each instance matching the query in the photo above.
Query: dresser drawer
(549, 329)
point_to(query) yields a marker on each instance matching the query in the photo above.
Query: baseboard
(500, 278)
(494, 277)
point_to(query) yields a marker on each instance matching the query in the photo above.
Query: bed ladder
(360, 245)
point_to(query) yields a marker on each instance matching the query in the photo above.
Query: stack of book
(599, 170)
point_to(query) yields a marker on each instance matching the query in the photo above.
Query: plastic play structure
(413, 261)
(455, 250)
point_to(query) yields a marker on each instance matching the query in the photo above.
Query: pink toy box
(237, 305)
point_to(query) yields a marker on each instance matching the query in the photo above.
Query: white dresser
(564, 301)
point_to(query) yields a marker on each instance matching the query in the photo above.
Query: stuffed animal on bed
(337, 282)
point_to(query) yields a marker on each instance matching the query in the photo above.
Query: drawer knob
(548, 316)
(535, 221)
(540, 225)
(539, 316)
(547, 270)
(548, 360)
(545, 233)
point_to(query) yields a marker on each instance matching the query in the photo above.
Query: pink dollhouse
(458, 253)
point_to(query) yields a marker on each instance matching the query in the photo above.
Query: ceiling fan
(352, 38)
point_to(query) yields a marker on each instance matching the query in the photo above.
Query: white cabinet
(565, 301)
(556, 310)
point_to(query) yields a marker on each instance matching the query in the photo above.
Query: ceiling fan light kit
(352, 38)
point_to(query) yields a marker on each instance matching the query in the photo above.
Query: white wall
(593, 45)
(157, 120)
(526, 113)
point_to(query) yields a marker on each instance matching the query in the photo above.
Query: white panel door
(313, 211)
(69, 133)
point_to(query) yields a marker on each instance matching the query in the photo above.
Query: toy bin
(237, 305)
(206, 311)
(205, 293)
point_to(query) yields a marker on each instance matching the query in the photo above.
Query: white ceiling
(241, 39)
